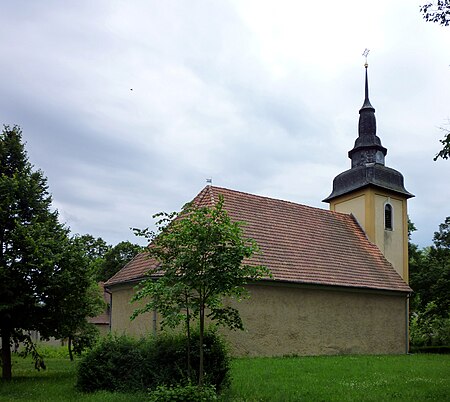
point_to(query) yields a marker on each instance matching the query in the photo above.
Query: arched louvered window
(388, 221)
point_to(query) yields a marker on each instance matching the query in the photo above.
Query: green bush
(121, 363)
(186, 393)
(116, 363)
(429, 329)
(85, 338)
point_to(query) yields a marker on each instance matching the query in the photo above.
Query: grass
(342, 378)
(56, 383)
(327, 378)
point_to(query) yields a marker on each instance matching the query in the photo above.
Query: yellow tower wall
(367, 206)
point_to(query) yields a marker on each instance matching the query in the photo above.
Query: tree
(37, 258)
(430, 280)
(200, 253)
(77, 296)
(444, 153)
(93, 248)
(430, 272)
(115, 258)
(438, 11)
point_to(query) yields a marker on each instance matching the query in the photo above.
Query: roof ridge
(298, 243)
(269, 198)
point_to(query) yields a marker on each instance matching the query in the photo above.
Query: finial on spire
(365, 54)
(209, 181)
(366, 98)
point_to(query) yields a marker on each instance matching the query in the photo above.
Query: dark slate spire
(367, 159)
(368, 148)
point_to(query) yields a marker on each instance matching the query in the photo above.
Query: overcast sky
(128, 106)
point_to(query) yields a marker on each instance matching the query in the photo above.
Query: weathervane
(365, 54)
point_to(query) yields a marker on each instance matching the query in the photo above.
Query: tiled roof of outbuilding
(299, 244)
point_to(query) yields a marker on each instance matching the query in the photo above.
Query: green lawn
(342, 378)
(334, 378)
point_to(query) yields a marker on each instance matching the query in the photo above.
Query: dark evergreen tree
(40, 266)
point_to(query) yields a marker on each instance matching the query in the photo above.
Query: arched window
(388, 217)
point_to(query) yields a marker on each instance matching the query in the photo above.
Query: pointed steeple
(368, 148)
(368, 168)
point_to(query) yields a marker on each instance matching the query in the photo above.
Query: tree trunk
(6, 354)
(69, 345)
(202, 328)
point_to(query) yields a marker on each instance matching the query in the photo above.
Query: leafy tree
(94, 248)
(115, 258)
(37, 258)
(200, 254)
(80, 297)
(444, 153)
(430, 280)
(438, 11)
(430, 272)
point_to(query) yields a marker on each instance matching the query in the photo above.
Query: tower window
(388, 217)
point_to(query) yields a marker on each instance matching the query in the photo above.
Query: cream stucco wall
(288, 319)
(285, 319)
(122, 309)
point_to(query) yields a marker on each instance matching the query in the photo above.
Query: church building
(340, 276)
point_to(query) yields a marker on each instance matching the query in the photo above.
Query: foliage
(78, 299)
(428, 328)
(115, 258)
(28, 348)
(444, 153)
(38, 260)
(94, 248)
(430, 280)
(85, 338)
(171, 363)
(437, 11)
(121, 363)
(104, 259)
(200, 253)
(183, 393)
(116, 364)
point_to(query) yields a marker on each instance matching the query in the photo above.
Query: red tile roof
(299, 244)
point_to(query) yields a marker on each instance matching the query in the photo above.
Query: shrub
(186, 393)
(121, 363)
(428, 328)
(85, 338)
(116, 363)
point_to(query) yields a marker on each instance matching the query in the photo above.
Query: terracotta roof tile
(299, 244)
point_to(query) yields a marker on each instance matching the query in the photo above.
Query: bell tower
(374, 193)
